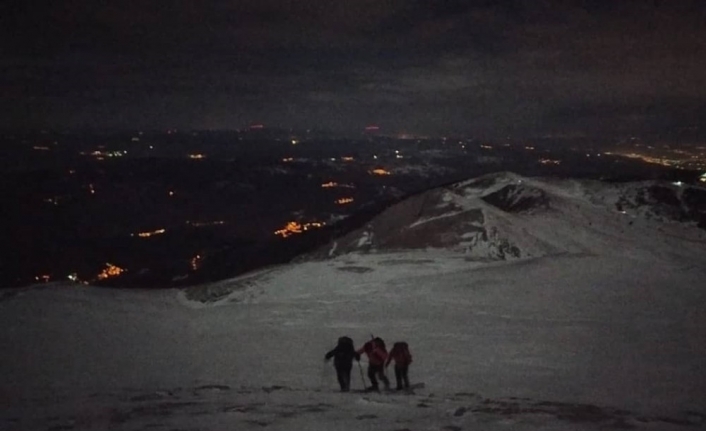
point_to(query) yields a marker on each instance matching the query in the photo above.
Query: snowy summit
(527, 304)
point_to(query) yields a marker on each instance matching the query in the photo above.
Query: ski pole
(362, 378)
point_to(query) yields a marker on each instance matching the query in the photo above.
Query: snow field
(618, 333)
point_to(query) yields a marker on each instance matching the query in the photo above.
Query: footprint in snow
(242, 408)
(269, 389)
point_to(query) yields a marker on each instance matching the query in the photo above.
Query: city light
(110, 271)
(197, 156)
(196, 262)
(680, 159)
(151, 233)
(646, 159)
(380, 171)
(101, 155)
(332, 184)
(294, 227)
(205, 223)
(343, 201)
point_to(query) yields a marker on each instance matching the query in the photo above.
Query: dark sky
(514, 67)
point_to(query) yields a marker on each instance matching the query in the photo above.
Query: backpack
(380, 343)
(403, 348)
(343, 341)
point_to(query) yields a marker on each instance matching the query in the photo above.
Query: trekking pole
(362, 378)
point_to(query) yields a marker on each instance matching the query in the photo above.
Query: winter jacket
(400, 354)
(343, 355)
(376, 354)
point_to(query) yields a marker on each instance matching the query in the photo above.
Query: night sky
(487, 68)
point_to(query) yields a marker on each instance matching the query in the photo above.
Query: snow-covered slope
(504, 216)
(603, 327)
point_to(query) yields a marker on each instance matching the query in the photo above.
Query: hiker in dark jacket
(343, 355)
(400, 354)
(377, 354)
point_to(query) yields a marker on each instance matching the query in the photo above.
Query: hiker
(343, 355)
(376, 352)
(400, 354)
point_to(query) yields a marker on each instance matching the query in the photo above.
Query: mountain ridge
(506, 216)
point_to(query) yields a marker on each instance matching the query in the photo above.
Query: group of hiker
(378, 360)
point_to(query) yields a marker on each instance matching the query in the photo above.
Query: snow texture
(602, 328)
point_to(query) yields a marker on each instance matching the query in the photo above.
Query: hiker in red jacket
(377, 354)
(400, 354)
